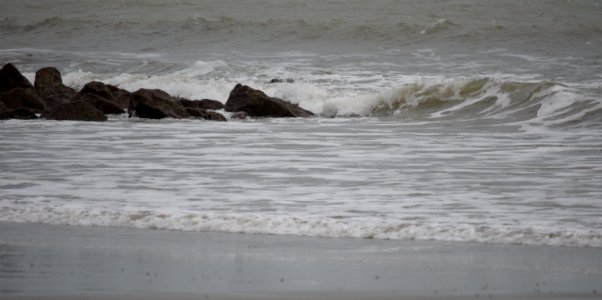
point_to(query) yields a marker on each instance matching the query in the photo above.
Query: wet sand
(70, 262)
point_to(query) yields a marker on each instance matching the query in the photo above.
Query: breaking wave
(544, 103)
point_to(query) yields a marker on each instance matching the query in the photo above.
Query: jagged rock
(104, 105)
(47, 77)
(109, 93)
(121, 96)
(75, 111)
(241, 115)
(201, 104)
(215, 116)
(23, 97)
(97, 88)
(156, 104)
(49, 84)
(257, 104)
(206, 114)
(4, 112)
(11, 78)
(19, 113)
(56, 95)
(210, 104)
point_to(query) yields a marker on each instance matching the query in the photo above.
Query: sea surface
(466, 120)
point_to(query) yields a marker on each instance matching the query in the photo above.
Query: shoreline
(41, 261)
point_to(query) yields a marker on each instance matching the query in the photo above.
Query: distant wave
(399, 32)
(334, 227)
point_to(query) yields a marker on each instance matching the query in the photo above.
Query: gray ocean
(465, 120)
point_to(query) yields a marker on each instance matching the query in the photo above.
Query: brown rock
(4, 112)
(48, 77)
(56, 95)
(11, 78)
(98, 88)
(157, 104)
(109, 99)
(75, 111)
(104, 105)
(210, 104)
(24, 114)
(49, 84)
(257, 104)
(121, 96)
(206, 114)
(201, 104)
(23, 97)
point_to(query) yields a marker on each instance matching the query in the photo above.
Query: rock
(257, 104)
(121, 96)
(48, 77)
(210, 104)
(4, 112)
(75, 111)
(104, 105)
(241, 115)
(22, 114)
(49, 84)
(201, 104)
(11, 78)
(215, 116)
(23, 97)
(206, 114)
(156, 104)
(56, 95)
(118, 97)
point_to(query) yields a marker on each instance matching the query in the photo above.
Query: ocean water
(468, 120)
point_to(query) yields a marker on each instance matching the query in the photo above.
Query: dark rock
(49, 84)
(210, 104)
(113, 94)
(23, 97)
(48, 77)
(201, 104)
(22, 114)
(75, 111)
(206, 114)
(104, 105)
(257, 104)
(187, 103)
(215, 116)
(121, 96)
(4, 112)
(56, 95)
(107, 98)
(98, 88)
(11, 78)
(239, 115)
(156, 104)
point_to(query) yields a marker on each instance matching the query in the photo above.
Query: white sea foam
(314, 227)
(341, 177)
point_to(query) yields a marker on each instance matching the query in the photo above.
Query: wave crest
(547, 102)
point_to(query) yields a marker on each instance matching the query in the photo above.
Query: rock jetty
(49, 98)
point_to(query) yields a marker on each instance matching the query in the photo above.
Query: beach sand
(73, 262)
